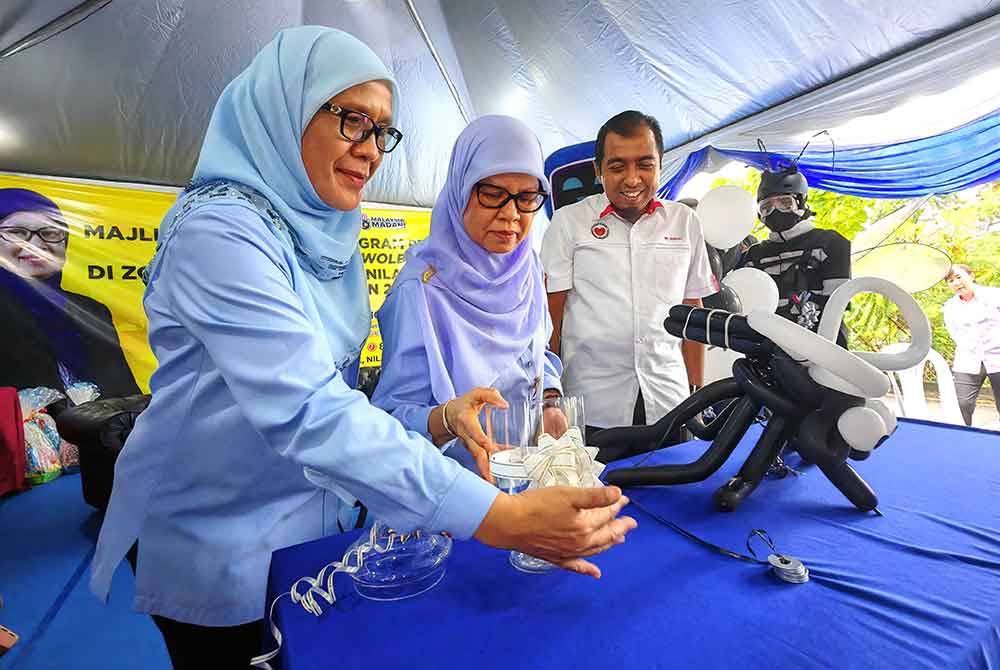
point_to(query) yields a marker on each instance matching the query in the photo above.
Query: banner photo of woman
(71, 261)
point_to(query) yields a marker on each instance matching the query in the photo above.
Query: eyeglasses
(50, 235)
(492, 196)
(358, 127)
(782, 203)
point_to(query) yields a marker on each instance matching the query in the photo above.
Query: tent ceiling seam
(57, 25)
(437, 59)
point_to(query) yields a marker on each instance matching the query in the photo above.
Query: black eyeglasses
(358, 127)
(492, 196)
(50, 235)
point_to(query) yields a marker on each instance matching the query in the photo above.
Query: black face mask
(779, 222)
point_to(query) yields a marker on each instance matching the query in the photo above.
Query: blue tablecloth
(919, 588)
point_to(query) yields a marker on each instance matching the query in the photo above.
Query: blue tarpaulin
(944, 163)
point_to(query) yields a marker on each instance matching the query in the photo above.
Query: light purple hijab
(480, 310)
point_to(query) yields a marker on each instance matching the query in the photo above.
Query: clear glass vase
(517, 430)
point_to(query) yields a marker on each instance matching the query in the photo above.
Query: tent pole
(437, 59)
(55, 26)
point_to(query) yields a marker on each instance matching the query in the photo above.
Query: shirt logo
(599, 230)
(672, 237)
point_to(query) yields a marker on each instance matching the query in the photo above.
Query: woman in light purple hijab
(465, 323)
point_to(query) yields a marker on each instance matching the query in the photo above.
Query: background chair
(908, 388)
(99, 428)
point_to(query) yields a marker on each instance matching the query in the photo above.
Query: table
(918, 588)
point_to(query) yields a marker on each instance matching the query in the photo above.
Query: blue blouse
(246, 397)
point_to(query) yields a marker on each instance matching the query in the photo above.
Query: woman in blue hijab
(466, 321)
(258, 308)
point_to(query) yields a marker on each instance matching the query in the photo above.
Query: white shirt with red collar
(622, 280)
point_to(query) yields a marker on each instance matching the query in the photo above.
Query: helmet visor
(782, 203)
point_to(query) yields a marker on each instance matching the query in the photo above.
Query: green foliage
(957, 224)
(845, 214)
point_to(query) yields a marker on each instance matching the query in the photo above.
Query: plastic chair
(908, 388)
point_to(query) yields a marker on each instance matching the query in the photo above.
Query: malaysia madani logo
(599, 230)
(374, 222)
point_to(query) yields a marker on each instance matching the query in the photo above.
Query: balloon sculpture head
(781, 198)
(821, 400)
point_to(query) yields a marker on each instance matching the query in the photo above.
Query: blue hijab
(255, 136)
(480, 310)
(254, 139)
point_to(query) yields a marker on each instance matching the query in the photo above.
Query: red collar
(653, 205)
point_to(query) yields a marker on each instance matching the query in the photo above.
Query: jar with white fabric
(541, 444)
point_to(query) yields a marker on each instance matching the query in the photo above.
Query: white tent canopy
(932, 89)
(126, 94)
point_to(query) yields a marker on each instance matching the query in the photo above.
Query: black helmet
(782, 182)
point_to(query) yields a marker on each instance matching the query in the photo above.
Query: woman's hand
(554, 421)
(462, 417)
(560, 524)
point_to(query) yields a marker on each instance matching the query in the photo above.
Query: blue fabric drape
(672, 187)
(945, 163)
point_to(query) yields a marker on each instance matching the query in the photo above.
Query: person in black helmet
(807, 263)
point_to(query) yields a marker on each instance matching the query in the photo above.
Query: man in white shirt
(972, 318)
(615, 263)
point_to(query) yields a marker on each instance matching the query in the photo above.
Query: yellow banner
(386, 234)
(109, 234)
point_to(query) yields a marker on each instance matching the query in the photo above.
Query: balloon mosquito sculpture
(823, 399)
